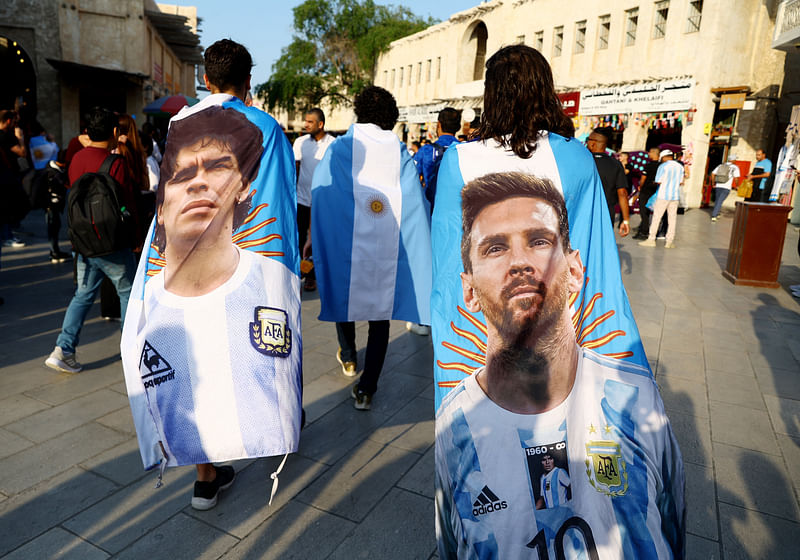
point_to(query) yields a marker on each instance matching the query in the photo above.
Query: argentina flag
(211, 345)
(602, 316)
(370, 228)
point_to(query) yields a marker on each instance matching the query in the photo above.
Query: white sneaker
(60, 361)
(13, 242)
(421, 330)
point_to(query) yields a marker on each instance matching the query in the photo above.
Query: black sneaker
(363, 401)
(205, 493)
(59, 257)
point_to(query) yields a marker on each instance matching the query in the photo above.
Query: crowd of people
(365, 209)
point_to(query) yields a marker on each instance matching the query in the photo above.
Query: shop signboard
(570, 102)
(646, 97)
(420, 114)
(732, 101)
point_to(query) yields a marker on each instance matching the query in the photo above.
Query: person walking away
(669, 178)
(722, 176)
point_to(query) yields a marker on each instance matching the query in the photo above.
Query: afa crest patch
(270, 333)
(606, 468)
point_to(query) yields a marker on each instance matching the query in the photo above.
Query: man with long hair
(524, 129)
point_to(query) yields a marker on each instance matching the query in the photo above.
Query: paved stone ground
(727, 359)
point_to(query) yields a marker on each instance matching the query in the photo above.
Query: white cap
(665, 153)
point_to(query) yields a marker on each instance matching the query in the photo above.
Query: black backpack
(99, 222)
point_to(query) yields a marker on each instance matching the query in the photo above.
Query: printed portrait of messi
(211, 160)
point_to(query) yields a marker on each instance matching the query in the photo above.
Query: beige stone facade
(718, 47)
(120, 54)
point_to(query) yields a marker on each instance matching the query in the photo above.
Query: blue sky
(264, 27)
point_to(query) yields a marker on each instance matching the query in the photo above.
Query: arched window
(479, 36)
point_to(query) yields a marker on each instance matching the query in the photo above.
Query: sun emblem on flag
(243, 239)
(377, 205)
(475, 356)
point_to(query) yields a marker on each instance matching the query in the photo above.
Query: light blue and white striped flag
(370, 228)
(602, 316)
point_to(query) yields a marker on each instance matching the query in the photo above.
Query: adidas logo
(487, 502)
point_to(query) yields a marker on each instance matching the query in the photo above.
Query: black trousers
(303, 223)
(377, 342)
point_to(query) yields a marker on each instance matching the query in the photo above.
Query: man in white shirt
(308, 151)
(669, 178)
(722, 178)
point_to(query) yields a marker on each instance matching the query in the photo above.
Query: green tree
(334, 51)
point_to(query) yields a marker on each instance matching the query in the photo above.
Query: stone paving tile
(131, 513)
(295, 532)
(323, 394)
(40, 462)
(681, 395)
(359, 481)
(729, 361)
(688, 342)
(717, 339)
(694, 437)
(785, 415)
(25, 377)
(411, 428)
(719, 320)
(18, 406)
(246, 503)
(68, 387)
(316, 364)
(120, 420)
(329, 438)
(701, 506)
(180, 537)
(790, 447)
(678, 364)
(740, 390)
(121, 464)
(403, 521)
(749, 534)
(49, 423)
(742, 427)
(119, 388)
(29, 514)
(420, 478)
(12, 443)
(395, 390)
(774, 357)
(57, 543)
(755, 481)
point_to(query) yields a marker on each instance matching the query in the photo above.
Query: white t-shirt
(308, 152)
(620, 462)
(153, 172)
(732, 174)
(216, 389)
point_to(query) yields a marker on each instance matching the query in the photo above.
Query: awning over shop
(178, 35)
(85, 72)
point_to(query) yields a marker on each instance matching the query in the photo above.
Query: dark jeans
(52, 219)
(720, 194)
(644, 225)
(377, 342)
(303, 222)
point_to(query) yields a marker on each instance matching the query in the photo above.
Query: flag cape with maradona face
(370, 228)
(602, 316)
(214, 374)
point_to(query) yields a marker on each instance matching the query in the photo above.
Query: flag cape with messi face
(602, 316)
(370, 227)
(215, 375)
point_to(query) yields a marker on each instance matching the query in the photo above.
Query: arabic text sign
(648, 97)
(570, 102)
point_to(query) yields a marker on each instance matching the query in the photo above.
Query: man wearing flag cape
(211, 347)
(370, 225)
(523, 128)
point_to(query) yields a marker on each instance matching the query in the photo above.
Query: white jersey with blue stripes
(621, 495)
(220, 371)
(669, 178)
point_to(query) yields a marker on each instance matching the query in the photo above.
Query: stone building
(60, 58)
(702, 74)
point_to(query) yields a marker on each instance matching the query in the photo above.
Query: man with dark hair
(762, 169)
(206, 383)
(119, 266)
(308, 151)
(540, 393)
(647, 189)
(12, 147)
(371, 234)
(228, 65)
(612, 175)
(429, 157)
